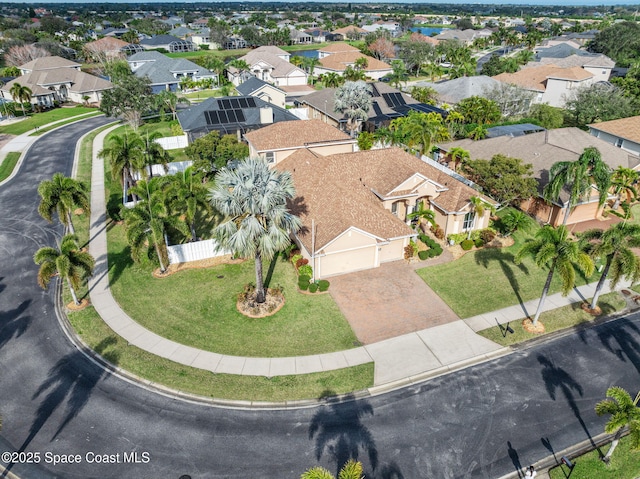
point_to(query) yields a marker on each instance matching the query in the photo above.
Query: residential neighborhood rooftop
(294, 134)
(627, 128)
(535, 78)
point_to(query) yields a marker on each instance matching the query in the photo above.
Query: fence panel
(195, 251)
(173, 142)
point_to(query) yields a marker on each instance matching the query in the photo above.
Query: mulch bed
(273, 303)
(78, 307)
(527, 325)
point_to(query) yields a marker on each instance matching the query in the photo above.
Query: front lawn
(8, 164)
(487, 279)
(625, 464)
(39, 119)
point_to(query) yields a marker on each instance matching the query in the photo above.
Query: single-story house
(387, 103)
(354, 206)
(263, 90)
(166, 73)
(351, 32)
(169, 43)
(230, 115)
(234, 42)
(542, 150)
(53, 79)
(271, 64)
(336, 57)
(276, 142)
(454, 91)
(623, 133)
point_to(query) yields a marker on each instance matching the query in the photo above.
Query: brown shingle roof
(345, 30)
(293, 133)
(338, 47)
(47, 63)
(106, 44)
(627, 128)
(535, 78)
(340, 191)
(340, 61)
(544, 149)
(281, 68)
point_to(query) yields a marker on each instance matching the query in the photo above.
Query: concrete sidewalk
(398, 361)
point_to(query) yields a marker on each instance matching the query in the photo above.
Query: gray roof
(454, 91)
(160, 40)
(544, 149)
(181, 32)
(253, 84)
(194, 119)
(561, 50)
(160, 68)
(513, 130)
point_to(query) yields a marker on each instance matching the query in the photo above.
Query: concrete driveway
(388, 301)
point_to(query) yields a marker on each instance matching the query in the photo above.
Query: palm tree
(421, 130)
(361, 63)
(516, 220)
(615, 245)
(253, 199)
(624, 412)
(421, 212)
(352, 75)
(524, 56)
(168, 99)
(553, 248)
(623, 181)
(147, 222)
(332, 80)
(477, 207)
(21, 94)
(125, 154)
(69, 262)
(153, 153)
(310, 64)
(62, 195)
(187, 195)
(353, 99)
(351, 470)
(578, 176)
(242, 66)
(399, 73)
(458, 156)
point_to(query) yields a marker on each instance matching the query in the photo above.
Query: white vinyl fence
(173, 142)
(195, 251)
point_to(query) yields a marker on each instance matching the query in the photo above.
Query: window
(394, 208)
(468, 221)
(619, 142)
(270, 157)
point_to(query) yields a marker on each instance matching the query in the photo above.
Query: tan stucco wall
(348, 240)
(347, 262)
(393, 251)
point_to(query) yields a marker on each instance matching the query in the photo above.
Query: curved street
(481, 422)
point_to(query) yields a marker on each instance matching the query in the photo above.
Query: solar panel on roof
(251, 102)
(225, 104)
(240, 116)
(376, 108)
(223, 116)
(235, 103)
(399, 98)
(388, 99)
(243, 103)
(374, 91)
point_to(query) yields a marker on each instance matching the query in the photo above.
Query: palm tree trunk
(566, 215)
(70, 221)
(603, 278)
(545, 290)
(614, 444)
(260, 294)
(73, 292)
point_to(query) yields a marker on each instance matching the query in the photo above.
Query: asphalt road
(481, 422)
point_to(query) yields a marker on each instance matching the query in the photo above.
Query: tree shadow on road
(620, 338)
(13, 323)
(338, 431)
(557, 378)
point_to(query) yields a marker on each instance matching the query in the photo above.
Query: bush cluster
(467, 244)
(305, 270)
(303, 282)
(434, 248)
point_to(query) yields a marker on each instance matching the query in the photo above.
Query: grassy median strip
(554, 320)
(8, 164)
(625, 464)
(96, 334)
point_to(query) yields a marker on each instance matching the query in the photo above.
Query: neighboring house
(300, 37)
(542, 150)
(278, 141)
(550, 84)
(105, 49)
(271, 64)
(336, 57)
(454, 91)
(387, 103)
(169, 43)
(199, 23)
(234, 42)
(320, 35)
(623, 133)
(519, 129)
(566, 56)
(354, 206)
(234, 115)
(55, 79)
(166, 73)
(263, 90)
(181, 32)
(465, 36)
(391, 27)
(348, 33)
(203, 37)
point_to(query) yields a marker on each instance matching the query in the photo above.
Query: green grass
(555, 320)
(40, 119)
(149, 127)
(97, 335)
(8, 164)
(202, 94)
(625, 464)
(487, 279)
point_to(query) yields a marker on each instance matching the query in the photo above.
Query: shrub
(323, 285)
(313, 287)
(479, 243)
(303, 282)
(439, 233)
(410, 250)
(424, 238)
(305, 270)
(301, 262)
(487, 235)
(457, 238)
(467, 244)
(437, 251)
(295, 258)
(424, 254)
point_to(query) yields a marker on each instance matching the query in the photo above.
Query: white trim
(351, 228)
